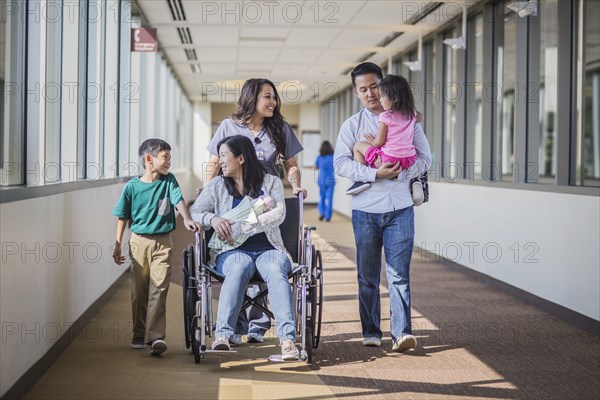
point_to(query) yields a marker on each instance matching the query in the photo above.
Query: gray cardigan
(215, 201)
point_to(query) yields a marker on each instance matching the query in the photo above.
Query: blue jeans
(395, 232)
(326, 200)
(239, 267)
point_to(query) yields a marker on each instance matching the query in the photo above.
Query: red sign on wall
(143, 39)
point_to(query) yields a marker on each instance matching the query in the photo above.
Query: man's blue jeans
(239, 267)
(395, 232)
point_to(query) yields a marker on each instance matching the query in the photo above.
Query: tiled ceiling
(303, 46)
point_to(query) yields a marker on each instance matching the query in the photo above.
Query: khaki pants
(150, 278)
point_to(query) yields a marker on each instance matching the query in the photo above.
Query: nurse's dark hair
(246, 106)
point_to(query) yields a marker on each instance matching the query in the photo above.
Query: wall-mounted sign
(143, 39)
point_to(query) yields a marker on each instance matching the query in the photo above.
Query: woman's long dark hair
(246, 106)
(397, 89)
(326, 148)
(253, 173)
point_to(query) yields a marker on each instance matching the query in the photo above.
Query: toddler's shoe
(417, 193)
(158, 347)
(357, 187)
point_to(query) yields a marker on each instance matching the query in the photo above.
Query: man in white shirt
(382, 215)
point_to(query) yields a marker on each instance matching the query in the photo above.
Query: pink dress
(398, 146)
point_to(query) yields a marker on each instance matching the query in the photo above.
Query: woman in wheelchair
(263, 251)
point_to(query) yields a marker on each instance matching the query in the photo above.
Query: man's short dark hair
(366, 68)
(152, 147)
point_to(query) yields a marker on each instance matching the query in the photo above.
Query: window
(12, 66)
(51, 95)
(506, 72)
(587, 141)
(431, 93)
(548, 89)
(450, 169)
(473, 97)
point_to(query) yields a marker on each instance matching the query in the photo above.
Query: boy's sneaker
(235, 339)
(289, 351)
(138, 343)
(404, 343)
(255, 338)
(417, 193)
(221, 343)
(158, 346)
(357, 187)
(372, 341)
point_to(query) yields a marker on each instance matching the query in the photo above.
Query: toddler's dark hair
(397, 89)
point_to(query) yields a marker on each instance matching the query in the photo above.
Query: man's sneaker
(255, 338)
(404, 343)
(138, 343)
(417, 193)
(221, 343)
(372, 342)
(158, 347)
(357, 187)
(235, 339)
(289, 351)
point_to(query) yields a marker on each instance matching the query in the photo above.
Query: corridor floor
(475, 342)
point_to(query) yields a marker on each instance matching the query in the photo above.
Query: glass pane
(450, 167)
(431, 92)
(506, 78)
(548, 19)
(12, 45)
(52, 92)
(588, 133)
(474, 89)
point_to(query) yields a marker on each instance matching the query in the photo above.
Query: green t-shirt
(150, 206)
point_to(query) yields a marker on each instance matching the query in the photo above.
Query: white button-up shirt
(384, 195)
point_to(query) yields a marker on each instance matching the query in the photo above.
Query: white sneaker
(417, 193)
(158, 346)
(405, 342)
(372, 342)
(255, 338)
(289, 351)
(235, 339)
(221, 343)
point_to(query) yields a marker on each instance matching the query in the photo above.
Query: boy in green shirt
(148, 202)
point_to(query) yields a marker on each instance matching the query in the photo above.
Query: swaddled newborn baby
(243, 217)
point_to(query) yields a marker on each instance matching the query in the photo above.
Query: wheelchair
(306, 279)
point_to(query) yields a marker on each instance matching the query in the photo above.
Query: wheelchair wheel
(309, 341)
(316, 297)
(196, 344)
(184, 284)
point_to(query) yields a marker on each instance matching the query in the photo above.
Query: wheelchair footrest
(223, 352)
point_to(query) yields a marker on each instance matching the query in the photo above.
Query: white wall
(543, 243)
(56, 262)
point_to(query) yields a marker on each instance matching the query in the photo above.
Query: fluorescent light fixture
(524, 8)
(456, 43)
(413, 65)
(460, 42)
